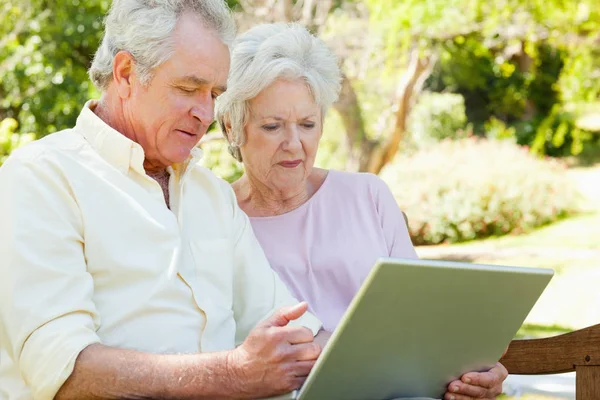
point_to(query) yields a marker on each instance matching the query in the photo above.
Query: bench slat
(556, 354)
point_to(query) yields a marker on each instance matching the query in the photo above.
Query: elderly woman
(321, 230)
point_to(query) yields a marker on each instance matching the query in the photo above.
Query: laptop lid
(416, 325)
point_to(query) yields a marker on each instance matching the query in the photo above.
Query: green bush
(9, 139)
(437, 116)
(474, 188)
(498, 130)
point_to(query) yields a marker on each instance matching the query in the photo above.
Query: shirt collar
(117, 149)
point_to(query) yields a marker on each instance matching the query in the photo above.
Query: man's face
(169, 115)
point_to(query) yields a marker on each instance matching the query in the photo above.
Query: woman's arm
(393, 222)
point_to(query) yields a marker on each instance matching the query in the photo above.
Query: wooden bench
(577, 351)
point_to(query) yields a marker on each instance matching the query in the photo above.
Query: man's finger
(303, 368)
(284, 315)
(299, 381)
(297, 334)
(304, 351)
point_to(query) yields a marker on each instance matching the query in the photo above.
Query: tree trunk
(358, 145)
(526, 65)
(411, 84)
(287, 9)
(364, 154)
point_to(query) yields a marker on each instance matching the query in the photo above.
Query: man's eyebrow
(194, 80)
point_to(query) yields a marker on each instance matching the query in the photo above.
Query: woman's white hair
(144, 28)
(264, 54)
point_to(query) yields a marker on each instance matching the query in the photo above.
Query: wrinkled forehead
(284, 98)
(198, 51)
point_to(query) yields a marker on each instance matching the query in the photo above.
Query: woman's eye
(270, 128)
(187, 90)
(308, 125)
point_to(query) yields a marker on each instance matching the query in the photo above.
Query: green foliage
(498, 130)
(437, 116)
(536, 331)
(332, 151)
(498, 85)
(474, 188)
(512, 60)
(579, 81)
(9, 140)
(217, 158)
(45, 51)
(46, 48)
(428, 22)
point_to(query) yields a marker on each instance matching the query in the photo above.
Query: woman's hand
(478, 385)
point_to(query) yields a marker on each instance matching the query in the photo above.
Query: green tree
(525, 60)
(45, 49)
(515, 60)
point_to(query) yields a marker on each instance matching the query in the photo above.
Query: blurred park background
(482, 116)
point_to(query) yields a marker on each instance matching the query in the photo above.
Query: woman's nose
(292, 142)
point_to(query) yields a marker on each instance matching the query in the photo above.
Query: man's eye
(309, 125)
(187, 90)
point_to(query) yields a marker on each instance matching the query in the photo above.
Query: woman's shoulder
(356, 182)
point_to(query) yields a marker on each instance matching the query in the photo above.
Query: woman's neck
(258, 200)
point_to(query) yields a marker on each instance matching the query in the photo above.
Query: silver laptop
(416, 325)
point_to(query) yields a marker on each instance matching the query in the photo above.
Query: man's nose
(204, 110)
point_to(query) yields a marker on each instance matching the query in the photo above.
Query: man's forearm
(103, 372)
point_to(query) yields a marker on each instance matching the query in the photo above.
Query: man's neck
(110, 110)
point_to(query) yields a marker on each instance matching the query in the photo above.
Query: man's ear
(123, 73)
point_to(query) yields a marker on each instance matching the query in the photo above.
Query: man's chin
(181, 155)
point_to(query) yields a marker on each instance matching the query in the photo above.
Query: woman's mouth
(290, 164)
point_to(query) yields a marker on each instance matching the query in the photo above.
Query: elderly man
(127, 270)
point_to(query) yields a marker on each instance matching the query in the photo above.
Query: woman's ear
(228, 130)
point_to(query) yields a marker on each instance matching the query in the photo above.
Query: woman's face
(282, 135)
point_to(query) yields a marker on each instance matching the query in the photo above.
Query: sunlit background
(482, 116)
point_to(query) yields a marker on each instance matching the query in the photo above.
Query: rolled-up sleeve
(258, 291)
(47, 316)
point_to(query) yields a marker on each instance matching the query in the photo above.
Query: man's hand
(478, 385)
(275, 358)
(322, 338)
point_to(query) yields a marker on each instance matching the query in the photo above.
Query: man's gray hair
(264, 54)
(144, 28)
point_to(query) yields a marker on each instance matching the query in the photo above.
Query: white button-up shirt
(89, 253)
